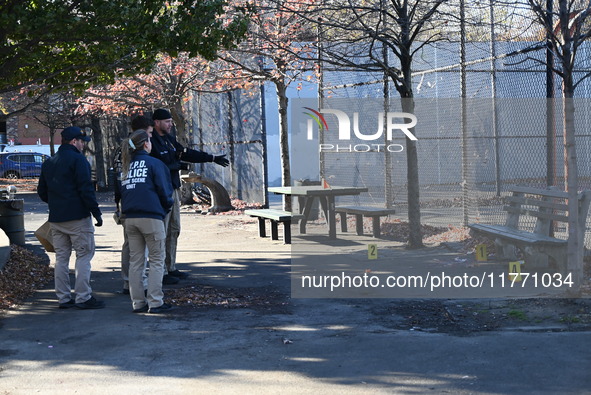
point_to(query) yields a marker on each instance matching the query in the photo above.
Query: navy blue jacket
(171, 152)
(146, 192)
(66, 186)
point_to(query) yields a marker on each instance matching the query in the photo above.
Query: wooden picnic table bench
(326, 197)
(363, 211)
(276, 217)
(539, 209)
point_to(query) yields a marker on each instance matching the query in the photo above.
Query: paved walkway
(297, 346)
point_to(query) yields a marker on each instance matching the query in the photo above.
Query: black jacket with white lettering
(146, 192)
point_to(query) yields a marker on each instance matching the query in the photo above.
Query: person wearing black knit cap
(166, 148)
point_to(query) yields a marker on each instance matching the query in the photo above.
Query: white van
(40, 148)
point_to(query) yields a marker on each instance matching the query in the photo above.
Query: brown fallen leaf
(23, 274)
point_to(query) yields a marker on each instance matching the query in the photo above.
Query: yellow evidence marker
(515, 271)
(481, 254)
(372, 251)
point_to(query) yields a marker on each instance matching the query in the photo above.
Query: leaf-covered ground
(196, 295)
(23, 274)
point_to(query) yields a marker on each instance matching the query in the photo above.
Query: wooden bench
(538, 209)
(275, 216)
(363, 211)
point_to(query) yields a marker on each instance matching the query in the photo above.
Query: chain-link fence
(508, 126)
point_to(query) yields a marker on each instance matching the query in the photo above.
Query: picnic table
(326, 196)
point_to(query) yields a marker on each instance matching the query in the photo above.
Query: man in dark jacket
(66, 186)
(173, 154)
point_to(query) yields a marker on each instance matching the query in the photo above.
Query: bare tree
(567, 28)
(170, 84)
(55, 111)
(361, 35)
(276, 50)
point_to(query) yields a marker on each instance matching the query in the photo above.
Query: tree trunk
(575, 238)
(284, 141)
(51, 142)
(415, 237)
(574, 250)
(99, 159)
(178, 116)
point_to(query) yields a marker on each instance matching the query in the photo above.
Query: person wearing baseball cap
(74, 133)
(176, 157)
(65, 184)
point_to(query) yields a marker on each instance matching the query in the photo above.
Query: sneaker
(160, 309)
(141, 309)
(169, 280)
(68, 304)
(178, 274)
(91, 303)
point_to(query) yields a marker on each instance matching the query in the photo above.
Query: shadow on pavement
(283, 346)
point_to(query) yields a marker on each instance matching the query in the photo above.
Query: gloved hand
(99, 220)
(185, 166)
(221, 160)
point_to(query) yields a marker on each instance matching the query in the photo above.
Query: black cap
(74, 132)
(161, 114)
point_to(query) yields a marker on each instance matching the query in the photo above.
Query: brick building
(25, 130)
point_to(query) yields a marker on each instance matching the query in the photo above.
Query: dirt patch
(196, 295)
(453, 317)
(464, 318)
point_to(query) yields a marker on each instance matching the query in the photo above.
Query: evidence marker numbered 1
(481, 254)
(372, 251)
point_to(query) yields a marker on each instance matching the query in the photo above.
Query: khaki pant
(172, 222)
(142, 233)
(125, 261)
(125, 258)
(75, 235)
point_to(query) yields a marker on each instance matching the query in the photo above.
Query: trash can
(12, 220)
(316, 205)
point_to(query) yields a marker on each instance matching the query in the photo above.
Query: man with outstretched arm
(166, 148)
